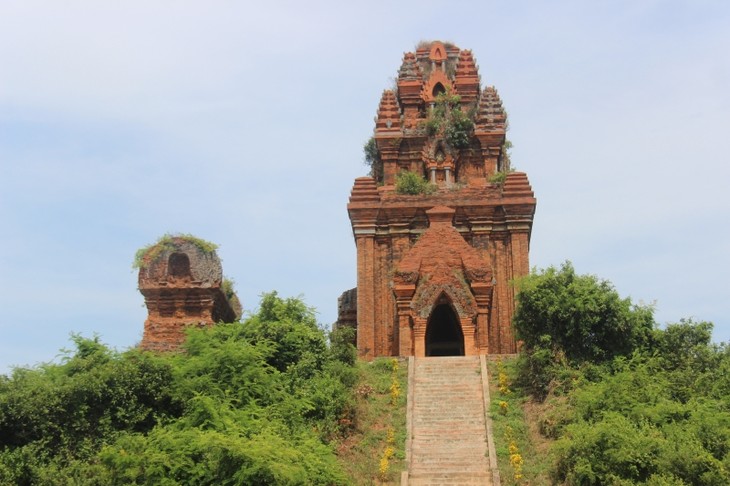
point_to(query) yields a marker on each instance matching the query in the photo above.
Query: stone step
(448, 446)
(464, 479)
(448, 427)
(465, 461)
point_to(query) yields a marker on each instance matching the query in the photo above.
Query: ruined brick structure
(183, 286)
(434, 270)
(347, 309)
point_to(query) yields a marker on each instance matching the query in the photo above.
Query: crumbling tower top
(438, 106)
(182, 282)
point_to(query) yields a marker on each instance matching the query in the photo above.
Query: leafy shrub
(686, 344)
(581, 316)
(446, 118)
(498, 177)
(342, 345)
(373, 159)
(628, 403)
(606, 452)
(408, 182)
(244, 403)
(458, 129)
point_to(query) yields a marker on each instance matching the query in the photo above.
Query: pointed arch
(437, 52)
(444, 335)
(437, 90)
(430, 87)
(427, 297)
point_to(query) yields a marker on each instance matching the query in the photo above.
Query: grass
(522, 452)
(378, 412)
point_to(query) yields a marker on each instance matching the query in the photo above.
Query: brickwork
(182, 286)
(459, 246)
(448, 423)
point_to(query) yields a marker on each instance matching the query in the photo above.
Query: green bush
(244, 403)
(458, 129)
(408, 182)
(581, 316)
(447, 119)
(633, 427)
(628, 403)
(342, 345)
(498, 177)
(608, 451)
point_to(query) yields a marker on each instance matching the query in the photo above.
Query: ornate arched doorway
(444, 336)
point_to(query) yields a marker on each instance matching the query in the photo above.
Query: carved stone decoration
(438, 82)
(478, 274)
(406, 277)
(440, 160)
(437, 53)
(426, 298)
(435, 145)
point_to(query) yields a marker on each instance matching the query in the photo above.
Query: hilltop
(598, 395)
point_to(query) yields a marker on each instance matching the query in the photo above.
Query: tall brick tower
(434, 262)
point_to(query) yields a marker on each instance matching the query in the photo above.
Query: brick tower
(434, 264)
(182, 283)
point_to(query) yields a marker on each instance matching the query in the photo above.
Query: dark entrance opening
(178, 265)
(443, 333)
(438, 89)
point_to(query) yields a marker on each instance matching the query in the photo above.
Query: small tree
(579, 315)
(565, 319)
(446, 118)
(373, 160)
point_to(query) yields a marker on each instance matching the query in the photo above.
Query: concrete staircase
(448, 442)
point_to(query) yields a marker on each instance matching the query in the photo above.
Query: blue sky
(243, 123)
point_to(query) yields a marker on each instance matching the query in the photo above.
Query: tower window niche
(178, 265)
(438, 89)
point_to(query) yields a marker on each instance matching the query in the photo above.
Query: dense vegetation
(599, 395)
(446, 119)
(259, 402)
(620, 401)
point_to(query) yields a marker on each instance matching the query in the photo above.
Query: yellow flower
(384, 467)
(385, 462)
(515, 460)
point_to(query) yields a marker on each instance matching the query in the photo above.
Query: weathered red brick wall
(493, 218)
(182, 287)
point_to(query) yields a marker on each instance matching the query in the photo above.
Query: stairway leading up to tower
(448, 424)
